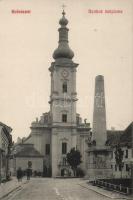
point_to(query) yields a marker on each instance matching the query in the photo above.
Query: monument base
(99, 166)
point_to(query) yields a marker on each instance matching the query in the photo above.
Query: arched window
(64, 87)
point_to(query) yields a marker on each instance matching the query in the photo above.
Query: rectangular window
(47, 149)
(126, 156)
(64, 118)
(64, 87)
(127, 167)
(64, 148)
(115, 167)
(64, 161)
(112, 154)
(120, 167)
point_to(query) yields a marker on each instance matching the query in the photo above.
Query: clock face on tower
(65, 73)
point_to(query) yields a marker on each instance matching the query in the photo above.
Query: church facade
(61, 129)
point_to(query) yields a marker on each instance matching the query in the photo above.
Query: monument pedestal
(99, 166)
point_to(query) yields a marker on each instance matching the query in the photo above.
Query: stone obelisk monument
(99, 153)
(99, 114)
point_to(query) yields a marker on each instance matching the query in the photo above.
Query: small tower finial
(63, 50)
(63, 7)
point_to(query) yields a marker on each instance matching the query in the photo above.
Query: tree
(74, 159)
(119, 157)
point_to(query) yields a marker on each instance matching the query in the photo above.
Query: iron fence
(112, 187)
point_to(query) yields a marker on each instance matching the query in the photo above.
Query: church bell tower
(62, 100)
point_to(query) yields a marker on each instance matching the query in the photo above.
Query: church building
(61, 129)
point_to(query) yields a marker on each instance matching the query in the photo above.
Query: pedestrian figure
(28, 173)
(19, 174)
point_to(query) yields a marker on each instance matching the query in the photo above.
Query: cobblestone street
(54, 189)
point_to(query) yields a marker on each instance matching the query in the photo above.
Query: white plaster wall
(36, 140)
(125, 174)
(55, 149)
(40, 138)
(58, 106)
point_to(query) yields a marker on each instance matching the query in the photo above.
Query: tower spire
(63, 50)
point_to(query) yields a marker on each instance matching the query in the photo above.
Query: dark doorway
(47, 171)
(62, 172)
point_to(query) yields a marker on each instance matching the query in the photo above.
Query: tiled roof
(7, 131)
(127, 137)
(113, 137)
(27, 150)
(124, 138)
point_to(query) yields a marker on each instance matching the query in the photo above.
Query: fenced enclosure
(123, 186)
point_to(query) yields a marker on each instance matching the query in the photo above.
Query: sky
(102, 44)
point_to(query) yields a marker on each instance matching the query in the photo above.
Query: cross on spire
(63, 7)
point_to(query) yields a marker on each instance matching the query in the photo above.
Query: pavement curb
(103, 193)
(12, 190)
(5, 195)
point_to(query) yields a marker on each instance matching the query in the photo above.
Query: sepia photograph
(66, 103)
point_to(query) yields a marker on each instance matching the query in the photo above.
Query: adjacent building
(22, 155)
(5, 147)
(125, 140)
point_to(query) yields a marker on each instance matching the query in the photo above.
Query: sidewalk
(10, 186)
(109, 194)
